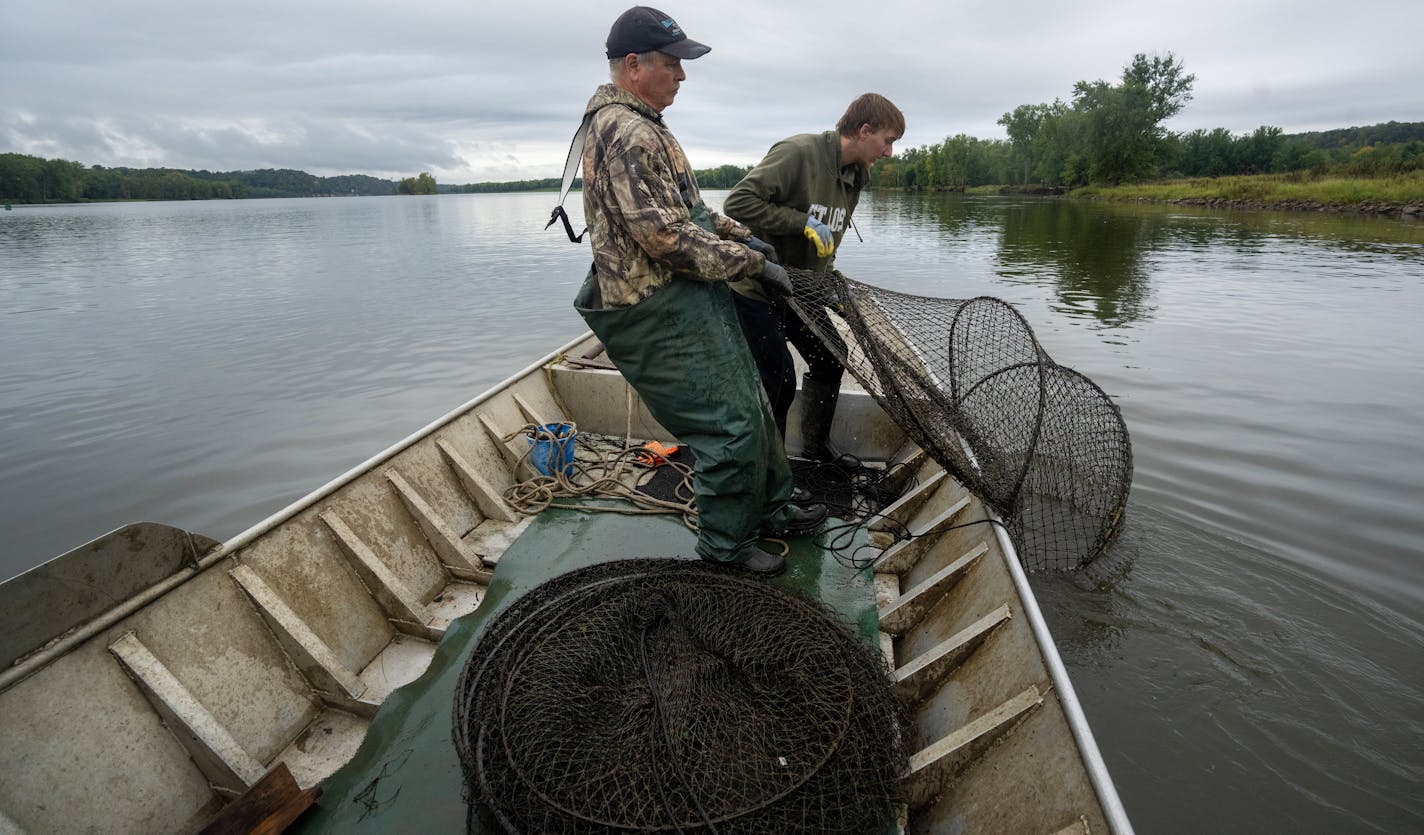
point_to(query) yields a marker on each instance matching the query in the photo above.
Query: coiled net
(661, 695)
(967, 380)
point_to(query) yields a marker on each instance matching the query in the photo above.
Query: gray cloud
(481, 91)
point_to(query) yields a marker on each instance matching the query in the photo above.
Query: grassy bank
(1297, 190)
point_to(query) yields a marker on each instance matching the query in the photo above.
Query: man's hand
(758, 245)
(775, 280)
(820, 235)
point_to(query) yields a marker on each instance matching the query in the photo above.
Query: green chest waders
(683, 351)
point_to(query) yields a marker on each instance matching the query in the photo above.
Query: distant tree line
(1113, 133)
(1107, 134)
(30, 179)
(723, 176)
(423, 184)
(546, 184)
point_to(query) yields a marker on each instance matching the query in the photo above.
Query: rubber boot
(800, 521)
(818, 409)
(764, 563)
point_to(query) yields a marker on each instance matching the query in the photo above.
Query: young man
(800, 199)
(658, 296)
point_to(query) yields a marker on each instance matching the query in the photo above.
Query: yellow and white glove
(820, 235)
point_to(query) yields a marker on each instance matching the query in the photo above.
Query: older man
(658, 296)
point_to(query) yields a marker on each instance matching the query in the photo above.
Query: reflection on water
(1267, 368)
(1254, 635)
(1095, 260)
(1253, 638)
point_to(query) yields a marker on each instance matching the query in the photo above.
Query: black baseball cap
(645, 29)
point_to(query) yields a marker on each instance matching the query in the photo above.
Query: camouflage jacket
(645, 215)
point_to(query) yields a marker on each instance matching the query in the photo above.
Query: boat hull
(151, 712)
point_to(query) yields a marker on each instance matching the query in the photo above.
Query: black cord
(867, 489)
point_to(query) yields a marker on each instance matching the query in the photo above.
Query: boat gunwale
(62, 644)
(1077, 720)
(1093, 763)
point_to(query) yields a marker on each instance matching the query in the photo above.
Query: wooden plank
(313, 657)
(446, 543)
(896, 518)
(925, 671)
(530, 413)
(578, 362)
(267, 808)
(487, 497)
(397, 599)
(933, 768)
(513, 460)
(903, 555)
(217, 754)
(904, 613)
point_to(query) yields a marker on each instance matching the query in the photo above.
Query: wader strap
(571, 165)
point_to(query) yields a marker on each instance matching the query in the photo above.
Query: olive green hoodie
(800, 175)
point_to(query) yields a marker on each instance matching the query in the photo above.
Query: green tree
(1123, 134)
(723, 176)
(1168, 88)
(1118, 135)
(63, 180)
(1205, 153)
(1059, 147)
(21, 178)
(1023, 126)
(423, 184)
(1260, 149)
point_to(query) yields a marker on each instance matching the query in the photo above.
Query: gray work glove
(758, 245)
(775, 280)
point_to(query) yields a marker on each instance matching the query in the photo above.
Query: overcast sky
(477, 90)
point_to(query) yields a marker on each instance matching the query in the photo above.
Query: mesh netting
(666, 695)
(1041, 444)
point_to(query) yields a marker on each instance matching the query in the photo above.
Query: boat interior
(327, 638)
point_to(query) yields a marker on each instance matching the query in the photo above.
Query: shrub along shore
(1400, 194)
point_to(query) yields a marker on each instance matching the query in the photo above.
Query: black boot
(764, 563)
(804, 519)
(818, 409)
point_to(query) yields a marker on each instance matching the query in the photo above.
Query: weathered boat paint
(146, 710)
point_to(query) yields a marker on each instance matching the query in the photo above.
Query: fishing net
(967, 380)
(659, 695)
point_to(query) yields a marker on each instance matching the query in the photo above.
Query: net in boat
(660, 695)
(968, 381)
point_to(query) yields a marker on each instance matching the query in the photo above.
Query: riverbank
(1401, 195)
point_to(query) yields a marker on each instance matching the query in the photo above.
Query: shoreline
(1412, 209)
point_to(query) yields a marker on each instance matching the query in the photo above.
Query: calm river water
(1250, 655)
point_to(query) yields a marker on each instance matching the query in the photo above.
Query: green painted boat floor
(406, 776)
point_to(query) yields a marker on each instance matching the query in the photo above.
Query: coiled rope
(593, 473)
